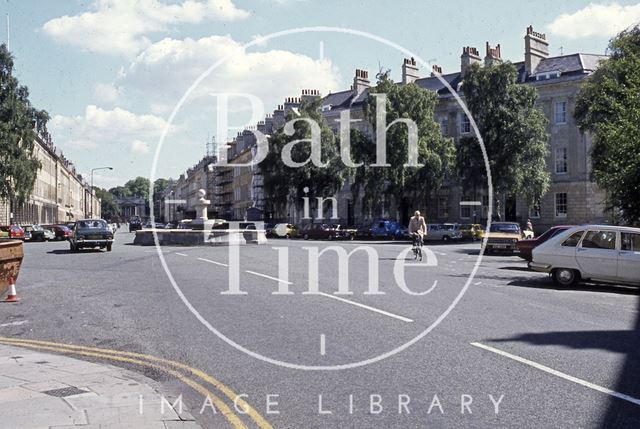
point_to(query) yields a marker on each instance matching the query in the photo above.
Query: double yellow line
(167, 366)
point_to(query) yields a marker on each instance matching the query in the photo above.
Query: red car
(525, 247)
(14, 231)
(62, 232)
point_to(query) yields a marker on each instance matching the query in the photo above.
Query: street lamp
(91, 190)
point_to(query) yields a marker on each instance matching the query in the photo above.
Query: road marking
(18, 323)
(441, 253)
(228, 392)
(212, 262)
(269, 277)
(322, 344)
(218, 403)
(560, 374)
(477, 283)
(181, 254)
(366, 307)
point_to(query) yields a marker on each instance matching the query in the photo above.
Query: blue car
(384, 228)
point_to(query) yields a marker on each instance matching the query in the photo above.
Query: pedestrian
(529, 225)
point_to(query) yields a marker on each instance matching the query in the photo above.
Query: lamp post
(91, 190)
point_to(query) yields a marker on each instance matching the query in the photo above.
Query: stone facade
(572, 198)
(59, 194)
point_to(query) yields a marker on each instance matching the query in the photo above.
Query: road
(514, 352)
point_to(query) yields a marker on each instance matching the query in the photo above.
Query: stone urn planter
(11, 254)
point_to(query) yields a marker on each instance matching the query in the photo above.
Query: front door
(597, 255)
(629, 257)
(510, 210)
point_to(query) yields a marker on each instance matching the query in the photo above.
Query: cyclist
(417, 230)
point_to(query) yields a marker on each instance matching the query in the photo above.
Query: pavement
(558, 357)
(41, 390)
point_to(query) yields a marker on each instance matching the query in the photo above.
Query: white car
(591, 252)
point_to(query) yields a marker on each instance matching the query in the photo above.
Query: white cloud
(140, 147)
(99, 128)
(107, 93)
(120, 26)
(599, 20)
(173, 65)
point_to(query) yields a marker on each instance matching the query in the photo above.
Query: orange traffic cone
(12, 297)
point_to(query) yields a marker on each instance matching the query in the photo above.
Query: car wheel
(330, 237)
(287, 236)
(108, 248)
(445, 238)
(565, 277)
(306, 236)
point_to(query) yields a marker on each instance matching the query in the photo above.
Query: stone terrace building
(60, 194)
(572, 198)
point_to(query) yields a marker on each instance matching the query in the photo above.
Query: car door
(597, 254)
(629, 257)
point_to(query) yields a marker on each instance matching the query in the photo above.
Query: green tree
(283, 183)
(159, 185)
(20, 123)
(435, 152)
(120, 192)
(608, 106)
(513, 131)
(108, 204)
(138, 187)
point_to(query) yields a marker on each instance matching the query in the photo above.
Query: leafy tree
(282, 183)
(20, 123)
(513, 131)
(608, 106)
(138, 187)
(159, 185)
(435, 152)
(108, 204)
(120, 192)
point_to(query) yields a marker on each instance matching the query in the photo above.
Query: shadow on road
(69, 252)
(547, 283)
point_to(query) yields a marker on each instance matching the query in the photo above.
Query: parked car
(319, 231)
(13, 231)
(443, 232)
(591, 252)
(135, 223)
(171, 225)
(91, 233)
(268, 229)
(472, 231)
(384, 228)
(363, 231)
(284, 230)
(526, 246)
(61, 232)
(345, 232)
(36, 233)
(503, 237)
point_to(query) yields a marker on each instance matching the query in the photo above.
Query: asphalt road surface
(512, 351)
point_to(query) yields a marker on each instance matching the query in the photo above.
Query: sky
(111, 72)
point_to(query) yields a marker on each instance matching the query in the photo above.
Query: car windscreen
(92, 224)
(505, 227)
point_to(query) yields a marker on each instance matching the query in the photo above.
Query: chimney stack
(309, 94)
(435, 70)
(536, 48)
(470, 55)
(361, 81)
(409, 71)
(492, 55)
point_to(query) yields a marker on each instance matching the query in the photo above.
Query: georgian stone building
(572, 198)
(60, 194)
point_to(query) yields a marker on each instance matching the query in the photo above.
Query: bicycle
(417, 246)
